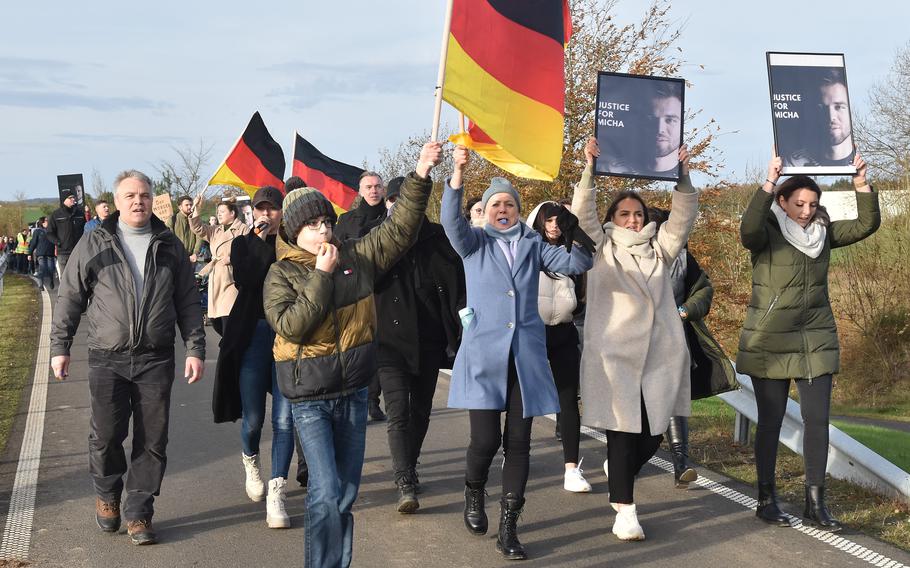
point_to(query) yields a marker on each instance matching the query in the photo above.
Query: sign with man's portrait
(639, 126)
(810, 110)
(71, 183)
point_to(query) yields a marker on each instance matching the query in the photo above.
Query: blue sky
(113, 85)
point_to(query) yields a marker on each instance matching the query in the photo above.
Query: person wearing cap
(369, 212)
(417, 305)
(245, 372)
(501, 365)
(65, 227)
(318, 297)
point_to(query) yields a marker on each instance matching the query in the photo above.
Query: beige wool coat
(222, 289)
(634, 342)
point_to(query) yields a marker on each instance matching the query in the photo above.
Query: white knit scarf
(810, 241)
(636, 243)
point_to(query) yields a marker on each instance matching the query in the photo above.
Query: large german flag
(336, 180)
(254, 161)
(505, 71)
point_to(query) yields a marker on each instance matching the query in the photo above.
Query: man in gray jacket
(133, 279)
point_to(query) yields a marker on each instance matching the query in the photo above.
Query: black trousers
(408, 402)
(124, 386)
(627, 454)
(565, 360)
(487, 436)
(815, 406)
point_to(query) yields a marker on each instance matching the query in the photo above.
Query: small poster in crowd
(810, 110)
(162, 207)
(639, 126)
(71, 183)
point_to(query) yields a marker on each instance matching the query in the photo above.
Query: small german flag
(505, 71)
(254, 161)
(336, 180)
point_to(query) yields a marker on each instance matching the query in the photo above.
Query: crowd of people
(533, 313)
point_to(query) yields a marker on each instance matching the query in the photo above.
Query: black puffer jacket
(359, 221)
(98, 281)
(65, 227)
(40, 245)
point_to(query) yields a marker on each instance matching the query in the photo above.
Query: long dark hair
(626, 194)
(789, 187)
(548, 209)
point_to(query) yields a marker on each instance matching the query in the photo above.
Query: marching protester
(41, 250)
(65, 227)
(245, 372)
(318, 297)
(222, 290)
(23, 240)
(180, 224)
(132, 280)
(635, 365)
(501, 364)
(102, 210)
(557, 302)
(417, 305)
(789, 331)
(370, 212)
(710, 371)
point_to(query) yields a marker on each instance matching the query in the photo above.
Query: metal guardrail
(847, 459)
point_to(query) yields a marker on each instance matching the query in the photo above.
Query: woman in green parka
(789, 331)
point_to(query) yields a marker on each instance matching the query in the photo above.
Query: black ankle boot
(475, 517)
(767, 509)
(415, 480)
(407, 498)
(816, 513)
(678, 440)
(507, 541)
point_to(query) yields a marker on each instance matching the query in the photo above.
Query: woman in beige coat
(222, 290)
(635, 364)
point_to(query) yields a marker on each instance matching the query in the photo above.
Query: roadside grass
(19, 327)
(711, 445)
(892, 445)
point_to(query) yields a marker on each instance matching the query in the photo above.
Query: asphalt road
(205, 519)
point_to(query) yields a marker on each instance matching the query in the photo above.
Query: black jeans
(408, 402)
(815, 406)
(627, 454)
(565, 359)
(487, 437)
(121, 386)
(375, 389)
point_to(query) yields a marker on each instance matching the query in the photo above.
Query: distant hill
(34, 201)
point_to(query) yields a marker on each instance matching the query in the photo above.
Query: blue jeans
(46, 270)
(258, 377)
(333, 434)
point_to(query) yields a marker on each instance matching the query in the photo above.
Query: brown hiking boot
(107, 515)
(141, 532)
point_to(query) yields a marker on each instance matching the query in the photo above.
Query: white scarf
(637, 244)
(810, 241)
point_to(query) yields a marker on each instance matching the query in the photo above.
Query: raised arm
(673, 234)
(584, 205)
(753, 227)
(464, 238)
(868, 219)
(196, 225)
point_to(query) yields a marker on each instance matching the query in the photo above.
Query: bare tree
(884, 132)
(186, 174)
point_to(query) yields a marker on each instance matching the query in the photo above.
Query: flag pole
(441, 76)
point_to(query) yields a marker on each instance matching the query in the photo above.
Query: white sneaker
(606, 470)
(575, 481)
(626, 526)
(275, 514)
(255, 487)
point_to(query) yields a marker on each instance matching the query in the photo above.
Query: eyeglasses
(316, 223)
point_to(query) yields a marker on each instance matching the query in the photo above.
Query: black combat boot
(678, 439)
(816, 513)
(767, 509)
(507, 541)
(475, 517)
(407, 497)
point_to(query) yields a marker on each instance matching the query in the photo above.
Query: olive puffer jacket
(326, 323)
(789, 331)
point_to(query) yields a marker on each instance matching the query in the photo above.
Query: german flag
(336, 180)
(254, 161)
(505, 70)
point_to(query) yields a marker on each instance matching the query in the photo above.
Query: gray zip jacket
(98, 282)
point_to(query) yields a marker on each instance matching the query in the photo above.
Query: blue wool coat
(506, 316)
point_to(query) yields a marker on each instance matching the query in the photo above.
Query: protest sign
(162, 207)
(810, 111)
(73, 183)
(639, 125)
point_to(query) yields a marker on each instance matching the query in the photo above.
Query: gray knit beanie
(302, 205)
(500, 185)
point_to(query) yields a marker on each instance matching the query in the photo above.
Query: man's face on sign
(666, 121)
(371, 190)
(836, 112)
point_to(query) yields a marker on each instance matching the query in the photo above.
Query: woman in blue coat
(501, 365)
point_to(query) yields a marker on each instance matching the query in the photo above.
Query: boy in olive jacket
(318, 297)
